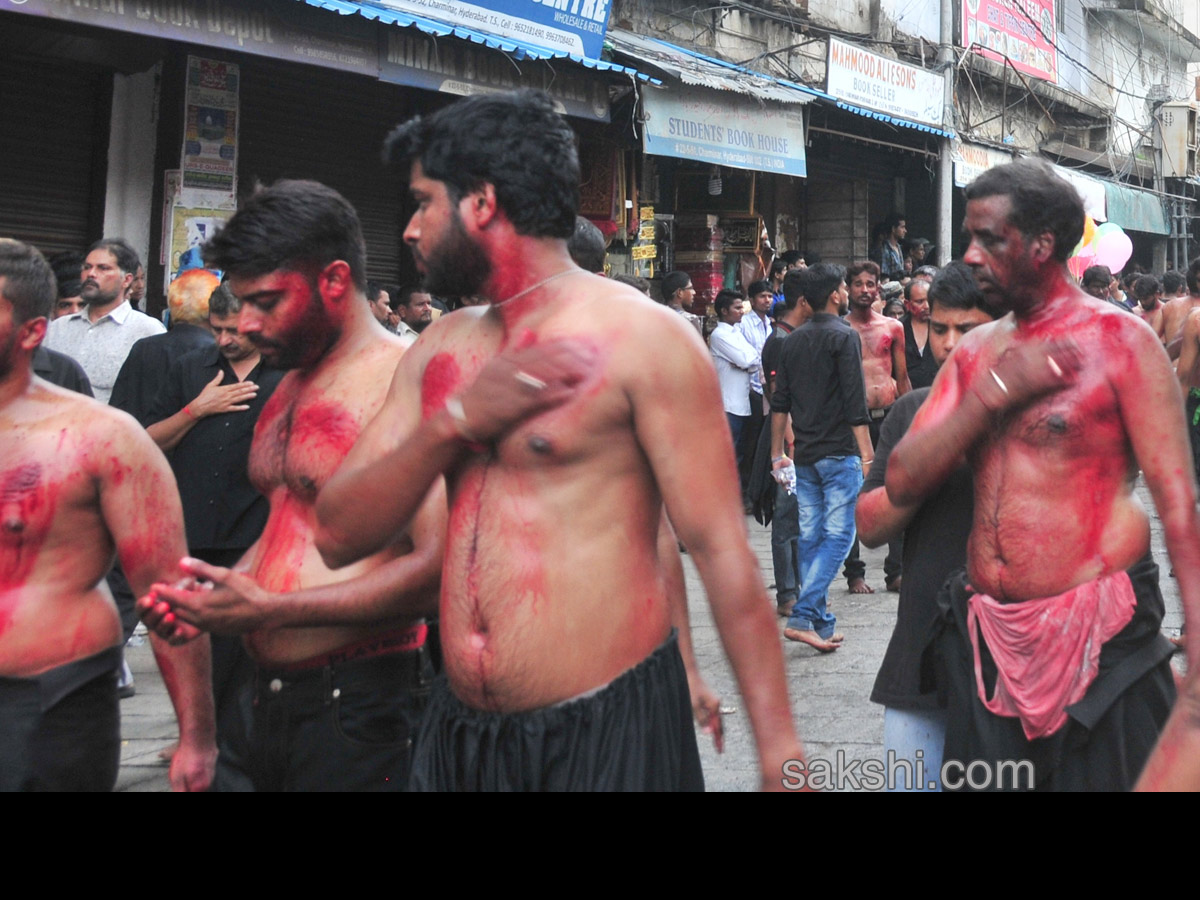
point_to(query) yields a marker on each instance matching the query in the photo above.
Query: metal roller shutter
(301, 122)
(52, 112)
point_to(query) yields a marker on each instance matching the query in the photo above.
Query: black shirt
(221, 509)
(922, 367)
(935, 544)
(772, 348)
(819, 380)
(144, 368)
(60, 369)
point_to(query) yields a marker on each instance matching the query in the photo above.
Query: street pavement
(829, 692)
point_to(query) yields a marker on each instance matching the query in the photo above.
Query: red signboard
(1021, 30)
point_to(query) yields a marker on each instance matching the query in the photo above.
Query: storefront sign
(281, 29)
(464, 69)
(562, 26)
(1021, 30)
(884, 84)
(972, 160)
(724, 129)
(650, 251)
(210, 117)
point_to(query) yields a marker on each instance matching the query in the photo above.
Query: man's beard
(457, 267)
(97, 297)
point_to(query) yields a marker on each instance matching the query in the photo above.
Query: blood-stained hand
(706, 707)
(155, 611)
(214, 599)
(522, 382)
(1026, 371)
(192, 767)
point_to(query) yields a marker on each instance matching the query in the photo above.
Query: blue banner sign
(563, 26)
(725, 129)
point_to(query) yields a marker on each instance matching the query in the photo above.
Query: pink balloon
(1113, 250)
(1078, 263)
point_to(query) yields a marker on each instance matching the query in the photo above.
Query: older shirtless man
(1177, 309)
(79, 483)
(563, 416)
(1054, 652)
(885, 374)
(342, 670)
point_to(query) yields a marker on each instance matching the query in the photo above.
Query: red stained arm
(1151, 409)
(394, 464)
(900, 361)
(140, 505)
(1175, 763)
(948, 423)
(710, 521)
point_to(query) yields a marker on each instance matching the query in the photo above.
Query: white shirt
(734, 359)
(100, 347)
(755, 330)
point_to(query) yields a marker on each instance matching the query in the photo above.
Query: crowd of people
(383, 542)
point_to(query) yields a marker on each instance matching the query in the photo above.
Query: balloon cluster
(1101, 245)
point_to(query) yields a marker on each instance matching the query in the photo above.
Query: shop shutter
(51, 112)
(329, 126)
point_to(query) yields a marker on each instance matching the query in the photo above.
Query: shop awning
(891, 120)
(1136, 210)
(695, 68)
(517, 49)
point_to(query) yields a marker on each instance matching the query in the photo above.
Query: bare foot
(813, 639)
(785, 609)
(860, 586)
(1179, 640)
(893, 584)
(166, 754)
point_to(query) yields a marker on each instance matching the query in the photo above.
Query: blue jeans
(785, 528)
(909, 732)
(826, 493)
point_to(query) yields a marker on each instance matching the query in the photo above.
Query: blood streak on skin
(24, 498)
(283, 543)
(441, 379)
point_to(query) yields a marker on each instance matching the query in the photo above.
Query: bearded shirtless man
(80, 483)
(342, 670)
(1055, 406)
(885, 374)
(1176, 311)
(564, 415)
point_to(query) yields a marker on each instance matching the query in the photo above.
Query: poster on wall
(209, 162)
(190, 228)
(1023, 31)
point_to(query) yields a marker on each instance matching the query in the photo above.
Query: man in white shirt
(756, 327)
(734, 359)
(99, 336)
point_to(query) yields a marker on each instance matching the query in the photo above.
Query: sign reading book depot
(725, 129)
(563, 26)
(884, 84)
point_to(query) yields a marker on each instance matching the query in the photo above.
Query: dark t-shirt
(935, 544)
(819, 380)
(922, 367)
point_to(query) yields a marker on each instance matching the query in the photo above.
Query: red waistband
(403, 640)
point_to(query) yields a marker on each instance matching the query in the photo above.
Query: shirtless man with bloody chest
(885, 375)
(1054, 648)
(79, 483)
(341, 667)
(563, 416)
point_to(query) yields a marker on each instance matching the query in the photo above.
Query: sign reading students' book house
(725, 129)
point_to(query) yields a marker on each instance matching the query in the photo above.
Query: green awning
(1135, 210)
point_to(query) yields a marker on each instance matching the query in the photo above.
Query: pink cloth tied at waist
(1047, 652)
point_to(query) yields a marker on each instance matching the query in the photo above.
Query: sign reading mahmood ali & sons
(884, 84)
(562, 26)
